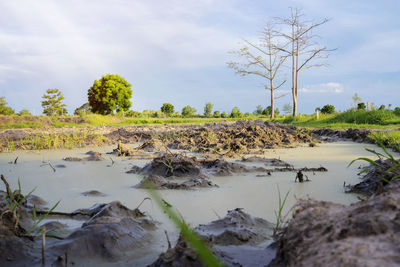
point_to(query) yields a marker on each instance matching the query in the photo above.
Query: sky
(177, 51)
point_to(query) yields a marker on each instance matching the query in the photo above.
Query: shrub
(247, 114)
(216, 114)
(4, 109)
(382, 107)
(208, 109)
(167, 109)
(267, 111)
(364, 116)
(82, 110)
(24, 112)
(188, 111)
(224, 114)
(328, 109)
(396, 111)
(132, 114)
(235, 113)
(361, 106)
(258, 110)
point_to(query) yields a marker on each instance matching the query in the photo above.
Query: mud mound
(363, 234)
(241, 137)
(170, 165)
(267, 161)
(159, 182)
(92, 156)
(356, 135)
(113, 233)
(375, 178)
(93, 193)
(233, 239)
(174, 165)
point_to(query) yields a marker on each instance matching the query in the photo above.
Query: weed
(199, 246)
(390, 172)
(278, 214)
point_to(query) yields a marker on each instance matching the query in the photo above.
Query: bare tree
(301, 47)
(263, 60)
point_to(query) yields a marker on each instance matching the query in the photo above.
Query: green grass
(375, 119)
(389, 139)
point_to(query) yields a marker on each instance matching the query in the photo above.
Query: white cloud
(331, 88)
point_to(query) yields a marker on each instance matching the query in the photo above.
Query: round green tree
(52, 103)
(167, 109)
(111, 93)
(188, 111)
(328, 109)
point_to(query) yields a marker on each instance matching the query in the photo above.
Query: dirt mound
(113, 233)
(93, 193)
(363, 234)
(234, 239)
(375, 178)
(266, 161)
(93, 156)
(356, 135)
(177, 165)
(159, 182)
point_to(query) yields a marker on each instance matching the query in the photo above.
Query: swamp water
(258, 196)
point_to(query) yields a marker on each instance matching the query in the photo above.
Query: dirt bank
(223, 139)
(238, 239)
(366, 233)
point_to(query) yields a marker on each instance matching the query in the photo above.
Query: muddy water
(257, 195)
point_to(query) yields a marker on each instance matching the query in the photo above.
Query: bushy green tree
(328, 109)
(52, 103)
(111, 93)
(235, 113)
(208, 109)
(4, 108)
(396, 111)
(167, 109)
(267, 111)
(84, 109)
(217, 114)
(24, 112)
(224, 114)
(258, 111)
(188, 111)
(361, 106)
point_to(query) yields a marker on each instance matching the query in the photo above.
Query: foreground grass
(389, 139)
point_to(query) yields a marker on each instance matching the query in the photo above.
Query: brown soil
(224, 139)
(237, 239)
(366, 233)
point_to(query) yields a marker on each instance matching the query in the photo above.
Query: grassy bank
(36, 122)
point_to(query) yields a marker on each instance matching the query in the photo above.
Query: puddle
(258, 196)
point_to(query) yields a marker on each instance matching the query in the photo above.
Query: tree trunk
(272, 104)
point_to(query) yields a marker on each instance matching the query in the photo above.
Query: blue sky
(176, 51)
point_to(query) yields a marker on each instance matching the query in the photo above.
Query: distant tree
(247, 114)
(52, 103)
(328, 109)
(217, 114)
(224, 114)
(24, 112)
(356, 100)
(208, 109)
(235, 113)
(263, 60)
(301, 47)
(287, 108)
(258, 111)
(167, 109)
(382, 107)
(4, 108)
(111, 93)
(396, 111)
(267, 111)
(361, 106)
(84, 109)
(188, 111)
